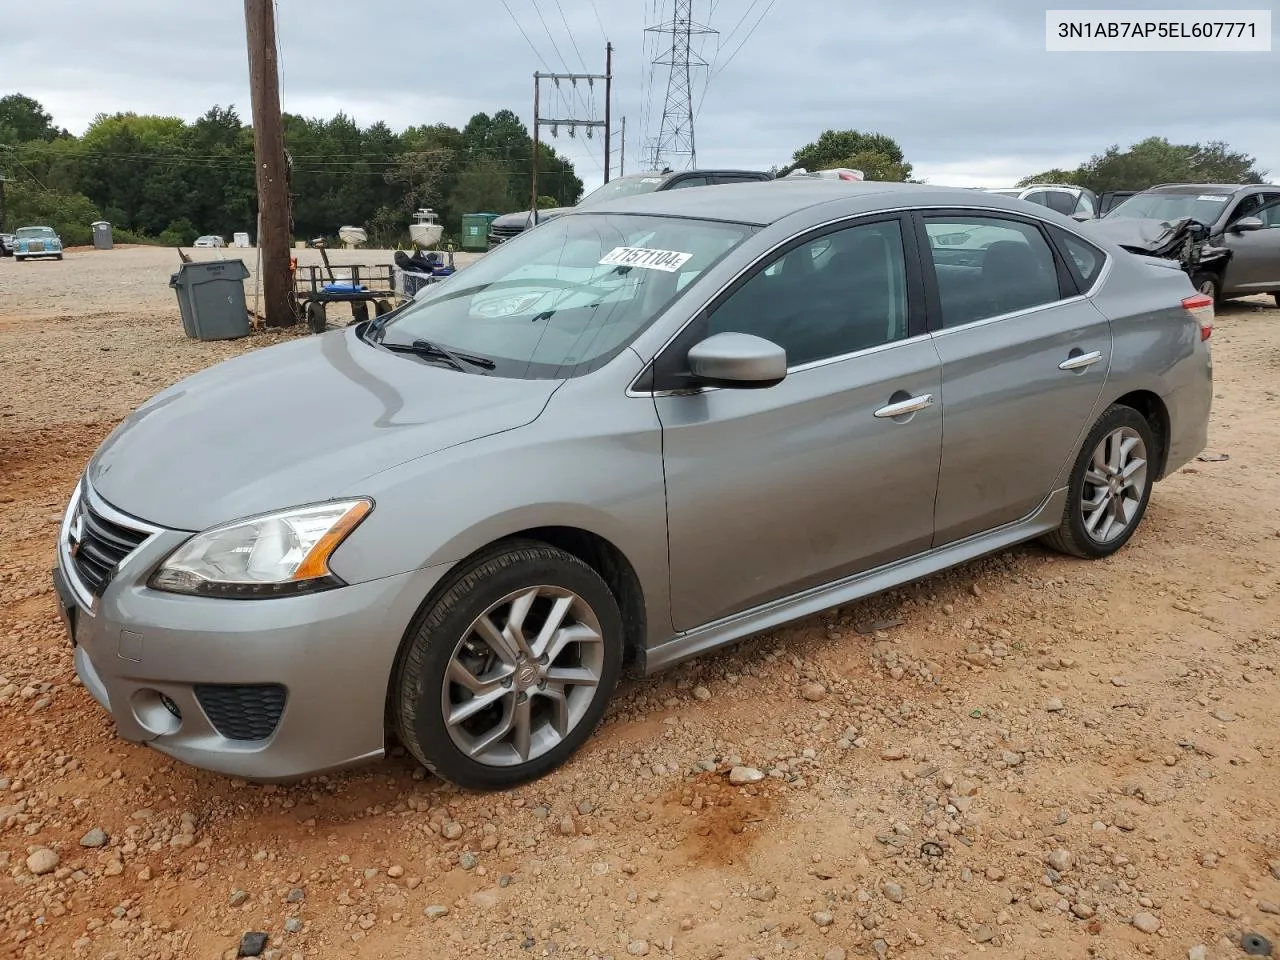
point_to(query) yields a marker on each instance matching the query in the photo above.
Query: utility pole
(588, 123)
(2, 183)
(269, 156)
(622, 150)
(608, 103)
(675, 133)
(533, 215)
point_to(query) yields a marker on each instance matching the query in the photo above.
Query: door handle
(903, 407)
(1080, 361)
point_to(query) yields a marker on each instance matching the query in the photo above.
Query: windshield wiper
(433, 351)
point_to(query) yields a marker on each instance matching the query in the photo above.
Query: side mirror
(1245, 224)
(1080, 216)
(738, 360)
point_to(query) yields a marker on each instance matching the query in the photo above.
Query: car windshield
(565, 298)
(619, 187)
(1204, 207)
(35, 232)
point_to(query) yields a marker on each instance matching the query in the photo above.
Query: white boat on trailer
(425, 230)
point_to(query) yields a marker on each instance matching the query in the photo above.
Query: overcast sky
(966, 88)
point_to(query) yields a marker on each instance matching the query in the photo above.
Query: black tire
(359, 312)
(439, 631)
(381, 306)
(1208, 283)
(316, 319)
(1073, 536)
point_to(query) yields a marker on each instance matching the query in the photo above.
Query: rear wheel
(510, 670)
(359, 312)
(1110, 486)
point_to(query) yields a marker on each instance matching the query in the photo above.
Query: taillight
(1200, 306)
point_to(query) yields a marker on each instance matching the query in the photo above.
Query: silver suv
(642, 431)
(1079, 203)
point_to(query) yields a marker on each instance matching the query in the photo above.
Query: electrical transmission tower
(675, 132)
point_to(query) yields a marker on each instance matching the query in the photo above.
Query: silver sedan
(634, 435)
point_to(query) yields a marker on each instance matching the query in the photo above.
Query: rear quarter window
(1084, 260)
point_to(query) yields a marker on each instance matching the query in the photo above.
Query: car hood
(1139, 235)
(293, 424)
(521, 218)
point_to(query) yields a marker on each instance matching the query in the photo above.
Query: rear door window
(987, 266)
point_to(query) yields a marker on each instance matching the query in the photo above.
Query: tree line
(164, 180)
(161, 179)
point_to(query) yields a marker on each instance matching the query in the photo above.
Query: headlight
(272, 555)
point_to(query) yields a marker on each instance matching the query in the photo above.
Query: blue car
(37, 242)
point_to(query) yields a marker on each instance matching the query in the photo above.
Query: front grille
(248, 712)
(98, 546)
(499, 234)
(35, 246)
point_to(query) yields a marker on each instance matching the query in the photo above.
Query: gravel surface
(1029, 756)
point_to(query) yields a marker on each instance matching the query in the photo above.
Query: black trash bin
(211, 298)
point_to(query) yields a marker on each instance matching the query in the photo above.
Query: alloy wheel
(1114, 485)
(522, 676)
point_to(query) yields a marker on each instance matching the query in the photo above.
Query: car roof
(761, 204)
(1201, 187)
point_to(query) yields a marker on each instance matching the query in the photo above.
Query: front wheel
(1208, 284)
(506, 674)
(1110, 486)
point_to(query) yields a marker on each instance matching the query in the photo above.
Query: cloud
(968, 90)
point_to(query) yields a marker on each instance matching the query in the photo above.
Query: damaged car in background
(1225, 236)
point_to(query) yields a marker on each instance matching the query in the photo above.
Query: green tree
(1156, 160)
(482, 188)
(70, 214)
(23, 119)
(877, 155)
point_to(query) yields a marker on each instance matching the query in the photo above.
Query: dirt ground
(1027, 757)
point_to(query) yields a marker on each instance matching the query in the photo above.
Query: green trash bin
(211, 298)
(475, 230)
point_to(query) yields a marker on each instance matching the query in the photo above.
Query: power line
(604, 35)
(525, 35)
(743, 43)
(554, 46)
(714, 71)
(569, 30)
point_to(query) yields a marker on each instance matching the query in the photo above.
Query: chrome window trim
(632, 391)
(85, 492)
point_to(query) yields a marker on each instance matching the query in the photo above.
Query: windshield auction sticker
(668, 260)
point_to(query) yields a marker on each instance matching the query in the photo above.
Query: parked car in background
(1109, 200)
(835, 173)
(513, 224)
(1077, 202)
(8, 243)
(209, 240)
(1225, 236)
(650, 428)
(37, 243)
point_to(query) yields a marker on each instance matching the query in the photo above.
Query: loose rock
(743, 775)
(1060, 860)
(97, 837)
(638, 948)
(435, 911)
(42, 861)
(1146, 922)
(893, 891)
(823, 919)
(813, 692)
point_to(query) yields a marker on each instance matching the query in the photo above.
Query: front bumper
(267, 690)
